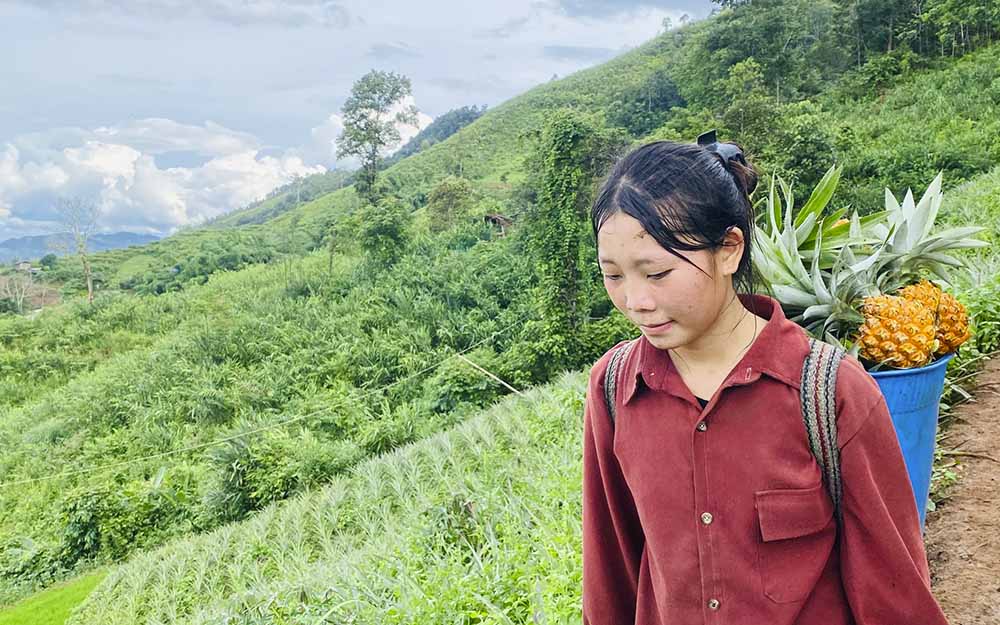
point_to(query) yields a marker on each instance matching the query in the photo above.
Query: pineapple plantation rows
(477, 523)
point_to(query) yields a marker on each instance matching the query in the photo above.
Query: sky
(166, 113)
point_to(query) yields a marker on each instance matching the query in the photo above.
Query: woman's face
(671, 301)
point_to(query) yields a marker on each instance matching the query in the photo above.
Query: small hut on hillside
(500, 221)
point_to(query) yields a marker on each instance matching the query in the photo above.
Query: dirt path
(963, 535)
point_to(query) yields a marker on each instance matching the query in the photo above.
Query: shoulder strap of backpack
(611, 376)
(819, 411)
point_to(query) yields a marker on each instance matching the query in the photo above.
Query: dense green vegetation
(312, 335)
(320, 359)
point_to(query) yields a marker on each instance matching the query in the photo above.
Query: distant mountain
(437, 131)
(34, 247)
(284, 198)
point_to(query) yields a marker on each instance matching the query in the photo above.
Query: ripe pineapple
(896, 331)
(951, 317)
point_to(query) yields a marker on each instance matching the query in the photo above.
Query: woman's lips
(658, 329)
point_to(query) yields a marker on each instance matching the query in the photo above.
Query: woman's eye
(612, 276)
(657, 276)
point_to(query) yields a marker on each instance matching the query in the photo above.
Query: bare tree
(16, 288)
(78, 216)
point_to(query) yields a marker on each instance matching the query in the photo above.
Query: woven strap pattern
(611, 376)
(819, 411)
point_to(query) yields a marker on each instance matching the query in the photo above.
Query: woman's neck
(724, 343)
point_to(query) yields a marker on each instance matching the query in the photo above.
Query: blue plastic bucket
(913, 397)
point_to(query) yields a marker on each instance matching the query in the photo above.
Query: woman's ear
(729, 254)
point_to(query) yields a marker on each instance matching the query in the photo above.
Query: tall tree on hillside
(371, 115)
(78, 217)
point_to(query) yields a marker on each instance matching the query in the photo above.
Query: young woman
(702, 502)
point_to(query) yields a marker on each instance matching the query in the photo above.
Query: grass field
(53, 605)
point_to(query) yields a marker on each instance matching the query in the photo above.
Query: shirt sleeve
(612, 535)
(883, 562)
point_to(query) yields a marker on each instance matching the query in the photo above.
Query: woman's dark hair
(686, 196)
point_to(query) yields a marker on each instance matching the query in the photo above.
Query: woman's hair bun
(744, 174)
(730, 156)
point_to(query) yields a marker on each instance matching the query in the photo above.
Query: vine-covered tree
(371, 115)
(450, 200)
(573, 150)
(383, 230)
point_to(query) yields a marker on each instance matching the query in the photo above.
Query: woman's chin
(661, 341)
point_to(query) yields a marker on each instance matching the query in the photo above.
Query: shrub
(456, 382)
(383, 231)
(449, 202)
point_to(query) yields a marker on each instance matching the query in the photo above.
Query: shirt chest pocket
(797, 534)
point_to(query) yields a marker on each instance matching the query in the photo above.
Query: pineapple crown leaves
(822, 269)
(820, 197)
(787, 244)
(799, 235)
(908, 225)
(910, 248)
(838, 291)
(824, 301)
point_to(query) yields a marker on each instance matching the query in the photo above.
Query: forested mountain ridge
(35, 247)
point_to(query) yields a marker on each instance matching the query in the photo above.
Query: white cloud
(322, 146)
(117, 167)
(407, 131)
(158, 135)
(235, 12)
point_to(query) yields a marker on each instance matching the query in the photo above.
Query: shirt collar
(779, 351)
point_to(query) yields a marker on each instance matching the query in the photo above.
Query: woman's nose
(639, 299)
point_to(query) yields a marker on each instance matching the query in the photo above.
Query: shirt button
(713, 604)
(702, 426)
(706, 518)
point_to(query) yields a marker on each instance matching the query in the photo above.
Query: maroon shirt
(718, 515)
